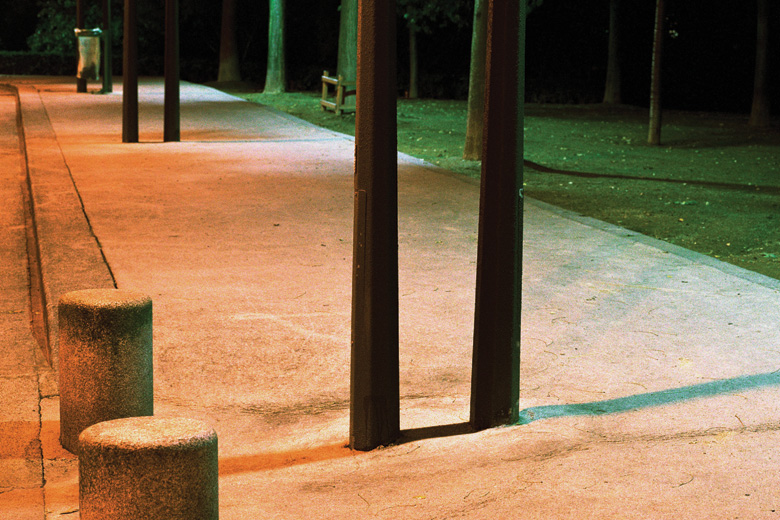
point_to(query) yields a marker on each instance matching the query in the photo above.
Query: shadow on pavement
(634, 402)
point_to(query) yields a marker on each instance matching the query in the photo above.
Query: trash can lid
(88, 32)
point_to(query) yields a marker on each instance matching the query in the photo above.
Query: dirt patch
(712, 187)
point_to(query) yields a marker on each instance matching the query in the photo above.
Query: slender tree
(275, 76)
(654, 132)
(422, 16)
(228, 48)
(759, 114)
(612, 86)
(81, 83)
(472, 151)
(476, 104)
(413, 64)
(531, 5)
(347, 58)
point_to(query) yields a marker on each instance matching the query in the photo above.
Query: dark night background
(708, 61)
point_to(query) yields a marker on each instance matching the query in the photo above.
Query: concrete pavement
(649, 374)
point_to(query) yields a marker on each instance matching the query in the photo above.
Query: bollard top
(88, 32)
(105, 299)
(149, 432)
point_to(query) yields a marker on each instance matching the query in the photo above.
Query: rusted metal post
(496, 360)
(374, 381)
(171, 119)
(81, 83)
(130, 79)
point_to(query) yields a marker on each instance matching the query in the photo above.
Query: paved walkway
(649, 378)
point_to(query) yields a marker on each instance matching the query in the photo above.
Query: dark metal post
(108, 74)
(130, 74)
(496, 361)
(374, 388)
(81, 83)
(171, 120)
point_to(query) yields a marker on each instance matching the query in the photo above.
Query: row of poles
(374, 390)
(374, 371)
(172, 105)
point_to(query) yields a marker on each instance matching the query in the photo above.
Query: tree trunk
(612, 86)
(759, 114)
(228, 48)
(108, 39)
(275, 76)
(347, 59)
(413, 65)
(472, 150)
(654, 133)
(81, 83)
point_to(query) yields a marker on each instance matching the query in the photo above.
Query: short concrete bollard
(105, 354)
(149, 468)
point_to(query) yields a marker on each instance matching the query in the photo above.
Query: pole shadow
(434, 432)
(278, 460)
(639, 401)
(268, 461)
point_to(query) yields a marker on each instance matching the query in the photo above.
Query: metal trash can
(89, 53)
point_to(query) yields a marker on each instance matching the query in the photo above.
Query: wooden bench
(342, 90)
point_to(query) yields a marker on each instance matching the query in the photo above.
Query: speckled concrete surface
(106, 359)
(649, 375)
(168, 469)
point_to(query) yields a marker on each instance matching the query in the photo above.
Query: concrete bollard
(149, 468)
(105, 353)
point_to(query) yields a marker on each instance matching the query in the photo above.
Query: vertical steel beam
(130, 74)
(81, 83)
(108, 74)
(374, 377)
(172, 107)
(496, 358)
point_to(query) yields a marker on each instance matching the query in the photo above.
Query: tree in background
(275, 75)
(228, 46)
(17, 18)
(759, 114)
(422, 16)
(56, 21)
(347, 58)
(612, 83)
(654, 132)
(472, 150)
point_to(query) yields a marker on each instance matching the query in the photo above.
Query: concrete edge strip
(38, 315)
(693, 256)
(70, 255)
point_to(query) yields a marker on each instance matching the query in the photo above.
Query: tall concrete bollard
(148, 468)
(105, 352)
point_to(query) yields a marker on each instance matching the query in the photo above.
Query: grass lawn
(713, 186)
